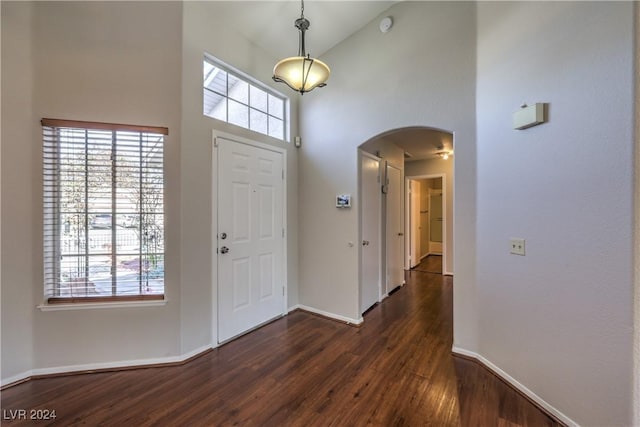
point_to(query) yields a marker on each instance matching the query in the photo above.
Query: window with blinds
(236, 98)
(103, 211)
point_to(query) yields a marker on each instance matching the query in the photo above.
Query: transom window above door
(234, 97)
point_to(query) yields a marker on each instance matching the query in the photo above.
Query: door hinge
(283, 232)
(282, 173)
(215, 142)
(283, 291)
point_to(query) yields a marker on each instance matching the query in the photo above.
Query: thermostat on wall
(528, 116)
(343, 201)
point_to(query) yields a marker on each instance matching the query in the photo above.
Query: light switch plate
(517, 246)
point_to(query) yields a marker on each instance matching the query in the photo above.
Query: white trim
(106, 365)
(514, 383)
(217, 62)
(97, 305)
(293, 308)
(214, 238)
(345, 319)
(16, 378)
(381, 181)
(384, 225)
(214, 219)
(635, 396)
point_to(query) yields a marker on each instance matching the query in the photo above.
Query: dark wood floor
(303, 370)
(430, 264)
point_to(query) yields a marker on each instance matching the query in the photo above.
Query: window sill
(98, 305)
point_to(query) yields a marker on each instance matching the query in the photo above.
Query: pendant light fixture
(301, 73)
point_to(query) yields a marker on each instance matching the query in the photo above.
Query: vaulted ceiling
(270, 26)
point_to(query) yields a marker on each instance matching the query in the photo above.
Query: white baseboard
(514, 383)
(16, 378)
(295, 307)
(344, 319)
(103, 366)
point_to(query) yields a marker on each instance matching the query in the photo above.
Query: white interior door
(395, 229)
(370, 211)
(435, 221)
(250, 237)
(415, 223)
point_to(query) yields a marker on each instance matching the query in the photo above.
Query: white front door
(395, 229)
(250, 237)
(370, 211)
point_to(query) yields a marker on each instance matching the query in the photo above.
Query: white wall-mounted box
(529, 116)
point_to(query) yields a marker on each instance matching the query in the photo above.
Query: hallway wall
(564, 324)
(427, 64)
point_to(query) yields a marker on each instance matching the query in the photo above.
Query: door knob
(400, 234)
(223, 236)
(365, 243)
(224, 250)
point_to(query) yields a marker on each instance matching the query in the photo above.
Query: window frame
(251, 82)
(52, 211)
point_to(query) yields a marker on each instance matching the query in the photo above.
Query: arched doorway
(421, 151)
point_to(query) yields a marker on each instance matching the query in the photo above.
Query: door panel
(251, 256)
(240, 283)
(436, 217)
(415, 223)
(370, 268)
(395, 230)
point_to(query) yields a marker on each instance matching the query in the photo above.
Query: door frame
(445, 223)
(439, 192)
(215, 134)
(385, 291)
(410, 244)
(362, 154)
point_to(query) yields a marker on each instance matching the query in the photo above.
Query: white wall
(636, 323)
(439, 166)
(205, 30)
(84, 61)
(19, 221)
(121, 62)
(421, 73)
(558, 320)
(118, 63)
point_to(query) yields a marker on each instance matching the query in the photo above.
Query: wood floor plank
(303, 370)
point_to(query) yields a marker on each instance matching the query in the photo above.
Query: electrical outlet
(517, 246)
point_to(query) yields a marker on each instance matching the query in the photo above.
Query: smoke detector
(386, 23)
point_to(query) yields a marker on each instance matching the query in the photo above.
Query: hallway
(303, 370)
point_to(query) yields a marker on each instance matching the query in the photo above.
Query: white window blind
(103, 211)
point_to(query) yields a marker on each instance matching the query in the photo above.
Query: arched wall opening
(403, 157)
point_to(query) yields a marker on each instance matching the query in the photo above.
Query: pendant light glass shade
(302, 74)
